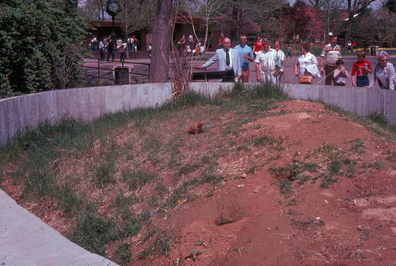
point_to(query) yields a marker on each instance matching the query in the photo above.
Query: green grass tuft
(335, 166)
(357, 146)
(137, 179)
(104, 174)
(93, 232)
(123, 253)
(263, 141)
(71, 203)
(285, 186)
(379, 119)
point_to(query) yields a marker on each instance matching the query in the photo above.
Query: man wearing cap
(330, 54)
(227, 59)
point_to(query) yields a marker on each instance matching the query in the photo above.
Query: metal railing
(104, 69)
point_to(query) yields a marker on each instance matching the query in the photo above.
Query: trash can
(121, 75)
(374, 50)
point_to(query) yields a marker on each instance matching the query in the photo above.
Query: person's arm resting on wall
(210, 62)
(392, 77)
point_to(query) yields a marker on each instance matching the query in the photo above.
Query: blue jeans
(362, 81)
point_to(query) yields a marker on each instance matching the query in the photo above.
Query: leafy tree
(266, 13)
(41, 46)
(136, 15)
(238, 14)
(328, 12)
(377, 28)
(386, 30)
(355, 8)
(94, 9)
(301, 20)
(207, 10)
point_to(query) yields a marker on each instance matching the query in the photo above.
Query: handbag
(306, 79)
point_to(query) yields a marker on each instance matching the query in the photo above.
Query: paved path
(27, 241)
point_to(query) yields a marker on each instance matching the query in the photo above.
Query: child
(340, 74)
(360, 70)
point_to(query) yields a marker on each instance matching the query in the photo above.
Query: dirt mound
(352, 222)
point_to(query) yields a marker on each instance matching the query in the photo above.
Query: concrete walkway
(27, 241)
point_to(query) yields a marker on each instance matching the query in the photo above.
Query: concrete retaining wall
(85, 104)
(363, 101)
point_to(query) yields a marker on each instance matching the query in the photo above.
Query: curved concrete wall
(363, 101)
(28, 111)
(85, 104)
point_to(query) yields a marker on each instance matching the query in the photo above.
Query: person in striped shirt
(330, 54)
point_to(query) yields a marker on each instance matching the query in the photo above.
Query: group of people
(108, 46)
(270, 64)
(235, 61)
(332, 66)
(187, 46)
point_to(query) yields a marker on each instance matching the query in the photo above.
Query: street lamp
(354, 16)
(112, 8)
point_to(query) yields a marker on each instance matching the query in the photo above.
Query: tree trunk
(206, 35)
(348, 32)
(162, 39)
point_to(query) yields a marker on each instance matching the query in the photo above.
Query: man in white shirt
(265, 64)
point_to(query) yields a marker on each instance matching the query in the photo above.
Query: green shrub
(40, 46)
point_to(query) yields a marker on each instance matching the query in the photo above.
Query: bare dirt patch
(308, 226)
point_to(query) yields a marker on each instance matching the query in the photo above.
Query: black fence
(125, 72)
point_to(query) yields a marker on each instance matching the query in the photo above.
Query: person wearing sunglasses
(384, 72)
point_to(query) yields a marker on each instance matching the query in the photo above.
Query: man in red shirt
(360, 70)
